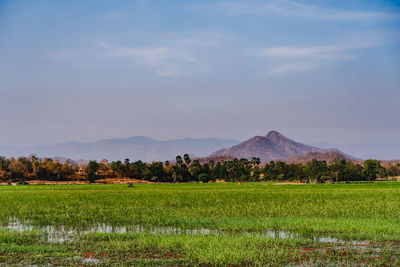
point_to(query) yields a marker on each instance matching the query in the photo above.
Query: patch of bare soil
(289, 183)
(122, 181)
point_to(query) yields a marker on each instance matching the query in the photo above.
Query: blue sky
(318, 71)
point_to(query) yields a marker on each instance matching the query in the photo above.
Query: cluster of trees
(34, 168)
(184, 169)
(337, 171)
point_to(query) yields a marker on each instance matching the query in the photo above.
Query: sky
(316, 71)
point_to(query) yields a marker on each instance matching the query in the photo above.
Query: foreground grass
(144, 249)
(357, 211)
(243, 213)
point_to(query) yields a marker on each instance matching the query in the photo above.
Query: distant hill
(134, 148)
(327, 156)
(379, 150)
(273, 146)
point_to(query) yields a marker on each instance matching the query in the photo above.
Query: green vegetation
(185, 170)
(91, 170)
(233, 222)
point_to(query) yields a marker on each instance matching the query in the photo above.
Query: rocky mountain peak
(273, 146)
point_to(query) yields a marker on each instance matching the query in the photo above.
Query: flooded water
(61, 234)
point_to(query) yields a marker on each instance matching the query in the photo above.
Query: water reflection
(60, 234)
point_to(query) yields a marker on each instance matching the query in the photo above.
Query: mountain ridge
(326, 156)
(134, 147)
(273, 146)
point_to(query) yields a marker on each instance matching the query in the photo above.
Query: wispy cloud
(295, 9)
(302, 58)
(331, 51)
(291, 67)
(178, 55)
(290, 52)
(164, 60)
(170, 54)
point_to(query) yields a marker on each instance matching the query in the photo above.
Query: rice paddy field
(255, 224)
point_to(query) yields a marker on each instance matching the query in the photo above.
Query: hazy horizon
(318, 72)
(381, 151)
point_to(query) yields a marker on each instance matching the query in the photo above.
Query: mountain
(134, 148)
(273, 146)
(327, 156)
(382, 151)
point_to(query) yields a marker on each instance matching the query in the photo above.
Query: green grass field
(201, 224)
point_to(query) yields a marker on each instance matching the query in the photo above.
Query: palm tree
(187, 159)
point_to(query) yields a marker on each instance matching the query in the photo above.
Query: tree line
(184, 169)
